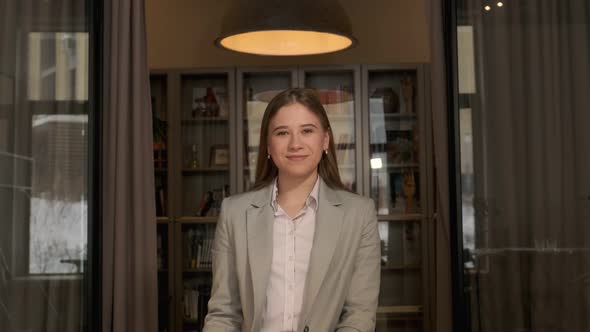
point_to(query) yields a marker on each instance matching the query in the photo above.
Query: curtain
(531, 150)
(442, 313)
(129, 230)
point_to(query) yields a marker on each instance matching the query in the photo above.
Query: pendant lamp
(285, 27)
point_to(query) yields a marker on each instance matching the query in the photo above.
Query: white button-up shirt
(292, 243)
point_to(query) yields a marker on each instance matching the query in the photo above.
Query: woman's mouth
(296, 157)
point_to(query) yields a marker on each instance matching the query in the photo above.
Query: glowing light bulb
(376, 163)
(487, 8)
(500, 4)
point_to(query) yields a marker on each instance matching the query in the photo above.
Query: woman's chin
(298, 172)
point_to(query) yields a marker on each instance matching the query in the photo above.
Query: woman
(298, 252)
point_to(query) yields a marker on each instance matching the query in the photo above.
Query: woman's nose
(294, 141)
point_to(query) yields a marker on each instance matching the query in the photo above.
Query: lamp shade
(286, 27)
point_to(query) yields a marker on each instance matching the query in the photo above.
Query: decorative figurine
(194, 162)
(408, 190)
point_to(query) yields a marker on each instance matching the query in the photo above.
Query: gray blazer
(342, 284)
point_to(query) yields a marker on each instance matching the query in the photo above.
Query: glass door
(339, 90)
(159, 103)
(206, 164)
(49, 134)
(522, 186)
(394, 171)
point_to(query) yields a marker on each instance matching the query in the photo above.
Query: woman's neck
(295, 190)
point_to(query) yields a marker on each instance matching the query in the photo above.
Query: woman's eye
(307, 131)
(281, 133)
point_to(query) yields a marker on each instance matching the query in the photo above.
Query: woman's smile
(296, 157)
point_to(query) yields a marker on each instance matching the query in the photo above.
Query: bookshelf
(210, 152)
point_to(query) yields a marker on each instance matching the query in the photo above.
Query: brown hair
(266, 170)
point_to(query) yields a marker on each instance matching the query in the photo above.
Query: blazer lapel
(259, 226)
(327, 231)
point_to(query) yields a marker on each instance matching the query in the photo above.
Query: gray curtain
(532, 157)
(129, 229)
(442, 261)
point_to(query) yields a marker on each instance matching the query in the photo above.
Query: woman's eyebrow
(308, 125)
(280, 127)
(301, 126)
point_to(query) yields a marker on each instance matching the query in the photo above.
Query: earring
(326, 151)
(268, 156)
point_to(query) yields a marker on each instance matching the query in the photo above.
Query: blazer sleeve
(360, 306)
(225, 309)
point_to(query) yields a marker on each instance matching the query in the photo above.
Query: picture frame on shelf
(219, 156)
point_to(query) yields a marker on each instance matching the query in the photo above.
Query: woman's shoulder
(353, 199)
(244, 199)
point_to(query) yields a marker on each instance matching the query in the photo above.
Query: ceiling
(181, 34)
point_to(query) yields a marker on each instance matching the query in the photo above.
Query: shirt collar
(311, 201)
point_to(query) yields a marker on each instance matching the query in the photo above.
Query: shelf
(400, 309)
(204, 170)
(197, 220)
(200, 120)
(395, 166)
(162, 220)
(401, 217)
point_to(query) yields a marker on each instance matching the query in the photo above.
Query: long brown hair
(266, 170)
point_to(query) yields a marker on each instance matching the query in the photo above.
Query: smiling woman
(307, 256)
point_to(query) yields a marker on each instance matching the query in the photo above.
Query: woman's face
(296, 141)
